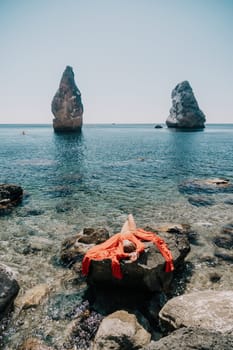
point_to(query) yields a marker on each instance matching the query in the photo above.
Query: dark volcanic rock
(9, 289)
(148, 271)
(10, 195)
(185, 112)
(67, 105)
(193, 338)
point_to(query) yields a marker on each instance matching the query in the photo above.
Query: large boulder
(67, 106)
(210, 310)
(9, 289)
(193, 338)
(119, 331)
(10, 195)
(185, 112)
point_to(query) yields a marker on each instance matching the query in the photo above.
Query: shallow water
(94, 180)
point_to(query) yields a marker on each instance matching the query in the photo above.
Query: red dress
(113, 249)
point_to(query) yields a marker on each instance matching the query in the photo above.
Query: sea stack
(185, 112)
(67, 106)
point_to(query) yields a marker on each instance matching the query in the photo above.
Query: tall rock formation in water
(185, 112)
(67, 106)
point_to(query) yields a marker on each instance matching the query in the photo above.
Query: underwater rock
(225, 239)
(10, 196)
(210, 310)
(120, 330)
(200, 201)
(185, 112)
(33, 344)
(33, 296)
(9, 289)
(216, 185)
(192, 338)
(67, 106)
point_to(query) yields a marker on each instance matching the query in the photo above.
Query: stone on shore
(10, 196)
(210, 310)
(121, 330)
(67, 106)
(9, 289)
(33, 297)
(185, 112)
(192, 338)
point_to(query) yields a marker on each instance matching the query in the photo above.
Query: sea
(95, 179)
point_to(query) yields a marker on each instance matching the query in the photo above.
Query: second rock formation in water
(67, 106)
(185, 112)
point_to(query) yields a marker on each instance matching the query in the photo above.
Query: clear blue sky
(127, 56)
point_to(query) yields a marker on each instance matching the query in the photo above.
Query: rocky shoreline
(154, 313)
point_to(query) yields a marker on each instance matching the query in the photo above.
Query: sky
(127, 56)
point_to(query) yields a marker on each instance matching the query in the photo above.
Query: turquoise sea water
(94, 180)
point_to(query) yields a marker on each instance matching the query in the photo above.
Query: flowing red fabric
(113, 249)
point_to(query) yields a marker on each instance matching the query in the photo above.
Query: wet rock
(216, 185)
(225, 239)
(120, 330)
(33, 344)
(10, 196)
(210, 310)
(193, 338)
(39, 244)
(158, 126)
(33, 297)
(67, 106)
(185, 112)
(62, 306)
(199, 201)
(81, 331)
(148, 271)
(74, 248)
(9, 289)
(229, 201)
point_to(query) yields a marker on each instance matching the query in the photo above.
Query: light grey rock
(193, 338)
(121, 331)
(67, 106)
(185, 112)
(210, 310)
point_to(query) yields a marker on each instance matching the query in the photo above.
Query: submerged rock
(193, 338)
(10, 196)
(206, 186)
(210, 310)
(9, 289)
(67, 106)
(185, 112)
(33, 344)
(121, 330)
(33, 297)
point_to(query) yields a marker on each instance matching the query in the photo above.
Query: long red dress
(113, 249)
